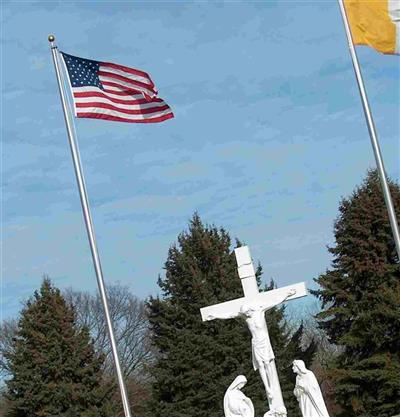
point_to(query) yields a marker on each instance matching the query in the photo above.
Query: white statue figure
(252, 308)
(308, 392)
(263, 355)
(236, 404)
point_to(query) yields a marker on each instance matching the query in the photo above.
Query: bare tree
(8, 331)
(128, 315)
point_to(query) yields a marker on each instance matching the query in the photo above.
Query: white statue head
(246, 310)
(299, 367)
(239, 382)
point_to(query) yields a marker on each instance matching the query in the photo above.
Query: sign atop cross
(247, 276)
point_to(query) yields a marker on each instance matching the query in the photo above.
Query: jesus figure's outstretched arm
(278, 300)
(220, 315)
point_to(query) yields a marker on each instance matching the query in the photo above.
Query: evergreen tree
(198, 361)
(361, 304)
(54, 368)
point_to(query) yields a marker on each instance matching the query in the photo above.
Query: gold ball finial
(51, 38)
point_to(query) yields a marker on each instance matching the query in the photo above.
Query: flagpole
(372, 133)
(89, 224)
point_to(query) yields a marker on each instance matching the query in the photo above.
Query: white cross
(250, 289)
(253, 306)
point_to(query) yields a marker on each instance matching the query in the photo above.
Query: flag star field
(82, 72)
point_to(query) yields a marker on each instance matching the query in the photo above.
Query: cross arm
(264, 300)
(227, 310)
(270, 299)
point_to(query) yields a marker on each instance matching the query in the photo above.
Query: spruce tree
(361, 304)
(54, 368)
(198, 361)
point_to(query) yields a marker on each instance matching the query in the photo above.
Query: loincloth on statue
(262, 352)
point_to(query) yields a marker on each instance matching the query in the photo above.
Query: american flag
(102, 90)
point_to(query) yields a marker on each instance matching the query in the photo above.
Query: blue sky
(268, 135)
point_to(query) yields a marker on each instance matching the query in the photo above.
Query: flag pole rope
(88, 222)
(372, 133)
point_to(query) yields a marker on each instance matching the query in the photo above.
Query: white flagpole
(372, 133)
(89, 225)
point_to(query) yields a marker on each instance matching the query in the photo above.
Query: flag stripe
(125, 87)
(116, 91)
(110, 97)
(111, 93)
(134, 77)
(128, 70)
(102, 102)
(98, 113)
(104, 75)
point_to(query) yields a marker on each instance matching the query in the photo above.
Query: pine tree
(55, 370)
(198, 361)
(361, 304)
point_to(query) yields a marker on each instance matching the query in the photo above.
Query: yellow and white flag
(375, 23)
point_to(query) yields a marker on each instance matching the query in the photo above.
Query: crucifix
(252, 308)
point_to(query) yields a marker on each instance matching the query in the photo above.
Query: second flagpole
(89, 226)
(372, 133)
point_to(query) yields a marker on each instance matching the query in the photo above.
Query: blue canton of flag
(82, 72)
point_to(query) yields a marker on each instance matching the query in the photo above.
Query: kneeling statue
(236, 404)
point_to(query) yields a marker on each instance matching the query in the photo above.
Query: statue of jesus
(263, 355)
